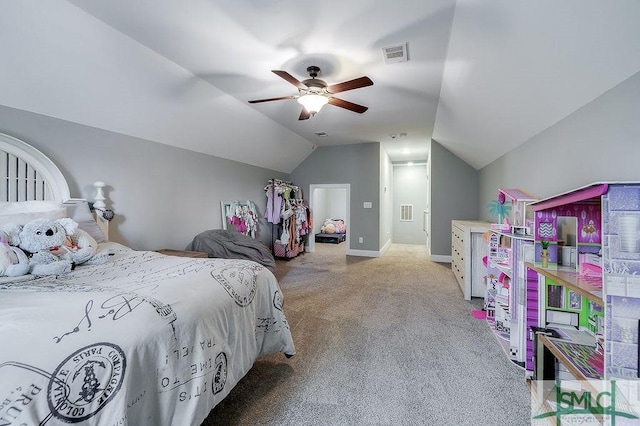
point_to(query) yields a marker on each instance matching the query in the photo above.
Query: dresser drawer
(457, 266)
(457, 235)
(457, 252)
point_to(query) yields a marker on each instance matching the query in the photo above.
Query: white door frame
(311, 241)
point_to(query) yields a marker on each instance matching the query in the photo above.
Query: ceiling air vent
(393, 54)
(321, 134)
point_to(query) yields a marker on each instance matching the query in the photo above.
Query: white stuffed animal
(13, 261)
(56, 246)
(329, 227)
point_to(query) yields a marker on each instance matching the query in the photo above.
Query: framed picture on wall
(575, 301)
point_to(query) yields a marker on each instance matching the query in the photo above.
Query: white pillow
(28, 206)
(22, 212)
(80, 212)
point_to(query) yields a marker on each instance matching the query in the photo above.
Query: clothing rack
(286, 209)
(282, 182)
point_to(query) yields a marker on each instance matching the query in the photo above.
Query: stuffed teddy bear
(42, 240)
(328, 227)
(13, 261)
(56, 246)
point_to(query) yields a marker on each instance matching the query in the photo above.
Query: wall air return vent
(393, 54)
(406, 212)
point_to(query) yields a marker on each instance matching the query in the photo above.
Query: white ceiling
(483, 76)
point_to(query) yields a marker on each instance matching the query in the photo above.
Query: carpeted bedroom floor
(380, 341)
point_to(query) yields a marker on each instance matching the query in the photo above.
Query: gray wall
(454, 195)
(409, 187)
(357, 165)
(599, 142)
(162, 196)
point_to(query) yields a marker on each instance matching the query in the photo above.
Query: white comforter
(145, 339)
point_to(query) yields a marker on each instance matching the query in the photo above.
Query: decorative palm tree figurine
(545, 253)
(499, 210)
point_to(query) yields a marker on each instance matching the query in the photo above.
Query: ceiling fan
(314, 93)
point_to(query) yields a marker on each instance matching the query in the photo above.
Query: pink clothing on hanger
(274, 205)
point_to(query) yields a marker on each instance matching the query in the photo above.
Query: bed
(143, 339)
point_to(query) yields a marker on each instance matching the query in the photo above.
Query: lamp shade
(313, 103)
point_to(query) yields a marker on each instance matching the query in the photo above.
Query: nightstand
(183, 253)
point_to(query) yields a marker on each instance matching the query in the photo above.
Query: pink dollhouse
(602, 292)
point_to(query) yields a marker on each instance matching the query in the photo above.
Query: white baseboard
(363, 253)
(440, 258)
(385, 247)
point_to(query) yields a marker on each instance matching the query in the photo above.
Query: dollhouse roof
(517, 195)
(594, 190)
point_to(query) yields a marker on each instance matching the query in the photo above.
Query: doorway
(329, 200)
(411, 204)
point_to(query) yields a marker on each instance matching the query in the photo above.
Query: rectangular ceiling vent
(321, 134)
(394, 54)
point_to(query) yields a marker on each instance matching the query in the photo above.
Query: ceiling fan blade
(347, 105)
(291, 79)
(304, 115)
(350, 85)
(281, 98)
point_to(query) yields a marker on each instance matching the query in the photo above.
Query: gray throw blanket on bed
(228, 244)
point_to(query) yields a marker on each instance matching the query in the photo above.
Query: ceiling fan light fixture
(313, 103)
(315, 93)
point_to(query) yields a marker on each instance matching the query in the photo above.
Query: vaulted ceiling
(482, 76)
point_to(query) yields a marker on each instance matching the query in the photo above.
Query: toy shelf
(589, 287)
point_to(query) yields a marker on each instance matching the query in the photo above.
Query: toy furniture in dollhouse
(606, 277)
(567, 234)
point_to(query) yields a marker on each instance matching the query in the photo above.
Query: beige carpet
(380, 341)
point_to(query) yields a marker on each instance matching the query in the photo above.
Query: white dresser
(467, 251)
